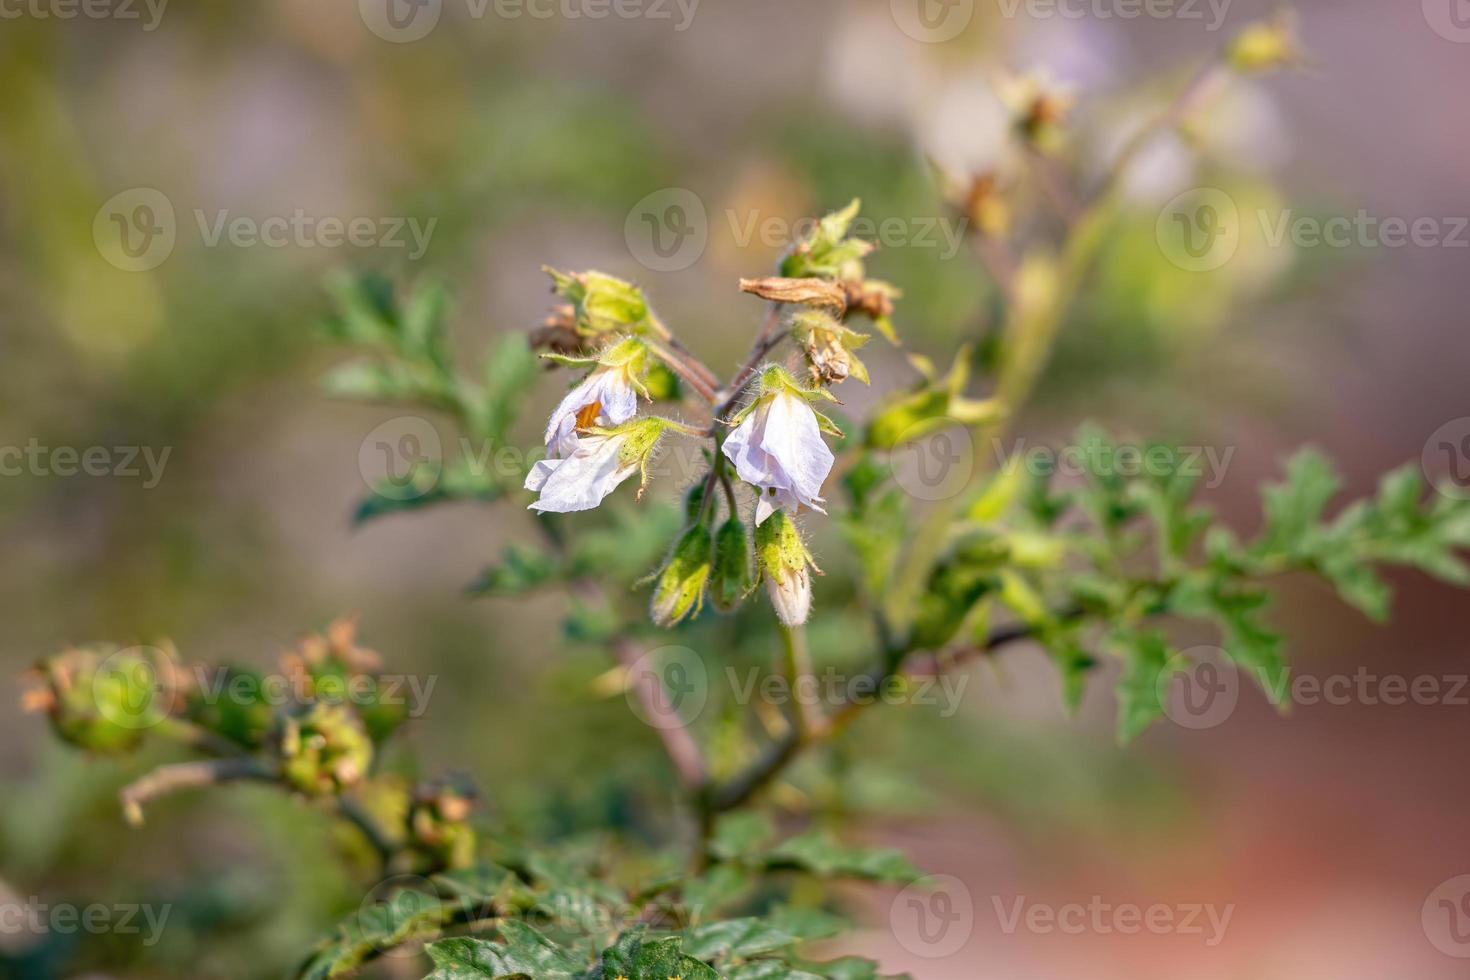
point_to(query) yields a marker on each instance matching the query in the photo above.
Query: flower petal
(583, 479)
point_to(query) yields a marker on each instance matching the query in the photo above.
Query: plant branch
(190, 775)
(678, 741)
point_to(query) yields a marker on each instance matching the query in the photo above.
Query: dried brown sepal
(807, 292)
(557, 333)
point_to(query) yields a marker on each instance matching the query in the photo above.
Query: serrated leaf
(821, 854)
(735, 937)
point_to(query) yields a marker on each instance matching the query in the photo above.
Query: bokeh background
(531, 140)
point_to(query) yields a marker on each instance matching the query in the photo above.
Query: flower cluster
(763, 424)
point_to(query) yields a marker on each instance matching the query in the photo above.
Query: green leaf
(525, 954)
(741, 835)
(1145, 655)
(821, 854)
(735, 937)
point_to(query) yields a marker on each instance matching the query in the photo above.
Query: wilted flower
(679, 586)
(600, 462)
(810, 291)
(606, 397)
(829, 346)
(1039, 106)
(777, 445)
(786, 565)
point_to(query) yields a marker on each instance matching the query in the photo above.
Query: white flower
(600, 461)
(593, 470)
(607, 397)
(778, 448)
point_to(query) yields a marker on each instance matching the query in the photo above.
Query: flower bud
(323, 749)
(438, 821)
(602, 303)
(786, 565)
(731, 578)
(102, 699)
(1265, 46)
(679, 589)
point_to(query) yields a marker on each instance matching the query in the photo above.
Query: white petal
(743, 448)
(792, 597)
(773, 499)
(611, 387)
(541, 471)
(585, 478)
(793, 438)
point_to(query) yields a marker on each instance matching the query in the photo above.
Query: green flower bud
(602, 303)
(786, 565)
(104, 699)
(323, 749)
(438, 821)
(1265, 46)
(679, 589)
(731, 578)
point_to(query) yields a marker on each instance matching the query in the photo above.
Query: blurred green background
(531, 141)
